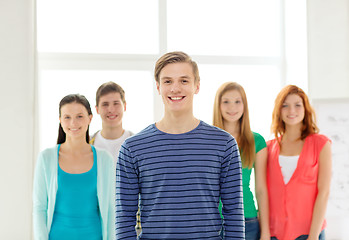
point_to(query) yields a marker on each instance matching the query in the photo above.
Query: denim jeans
(252, 231)
(304, 237)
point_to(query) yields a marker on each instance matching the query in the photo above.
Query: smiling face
(177, 87)
(111, 108)
(231, 106)
(292, 110)
(74, 120)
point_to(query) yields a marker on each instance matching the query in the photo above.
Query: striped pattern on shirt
(180, 179)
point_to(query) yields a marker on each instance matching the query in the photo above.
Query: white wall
(328, 69)
(17, 78)
(328, 48)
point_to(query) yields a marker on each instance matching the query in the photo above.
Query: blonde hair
(309, 122)
(175, 57)
(246, 139)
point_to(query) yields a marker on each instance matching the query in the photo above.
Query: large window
(98, 26)
(257, 43)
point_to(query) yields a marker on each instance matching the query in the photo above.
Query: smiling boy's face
(111, 109)
(177, 87)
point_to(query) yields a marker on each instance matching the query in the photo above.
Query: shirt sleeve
(259, 142)
(231, 193)
(127, 191)
(40, 201)
(320, 141)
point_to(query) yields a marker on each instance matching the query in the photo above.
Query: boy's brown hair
(109, 87)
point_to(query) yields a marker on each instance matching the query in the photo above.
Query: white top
(288, 165)
(111, 145)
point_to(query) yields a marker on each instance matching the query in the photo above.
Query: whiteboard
(333, 121)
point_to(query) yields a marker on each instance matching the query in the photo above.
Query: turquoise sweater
(45, 189)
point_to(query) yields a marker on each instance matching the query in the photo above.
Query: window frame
(146, 62)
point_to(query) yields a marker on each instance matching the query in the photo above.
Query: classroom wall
(328, 68)
(328, 72)
(328, 48)
(17, 78)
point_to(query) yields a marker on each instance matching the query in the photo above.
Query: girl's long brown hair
(246, 140)
(309, 121)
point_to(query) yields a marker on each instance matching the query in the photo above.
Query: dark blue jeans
(304, 237)
(252, 231)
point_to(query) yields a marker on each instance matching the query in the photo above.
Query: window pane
(224, 27)
(98, 26)
(54, 85)
(257, 82)
(296, 43)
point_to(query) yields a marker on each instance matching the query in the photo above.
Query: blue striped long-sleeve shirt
(180, 179)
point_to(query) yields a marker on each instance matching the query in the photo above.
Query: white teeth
(176, 98)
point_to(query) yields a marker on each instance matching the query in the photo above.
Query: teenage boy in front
(180, 166)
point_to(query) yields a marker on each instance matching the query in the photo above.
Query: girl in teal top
(231, 114)
(73, 196)
(74, 217)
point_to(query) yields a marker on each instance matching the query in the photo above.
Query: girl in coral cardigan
(298, 170)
